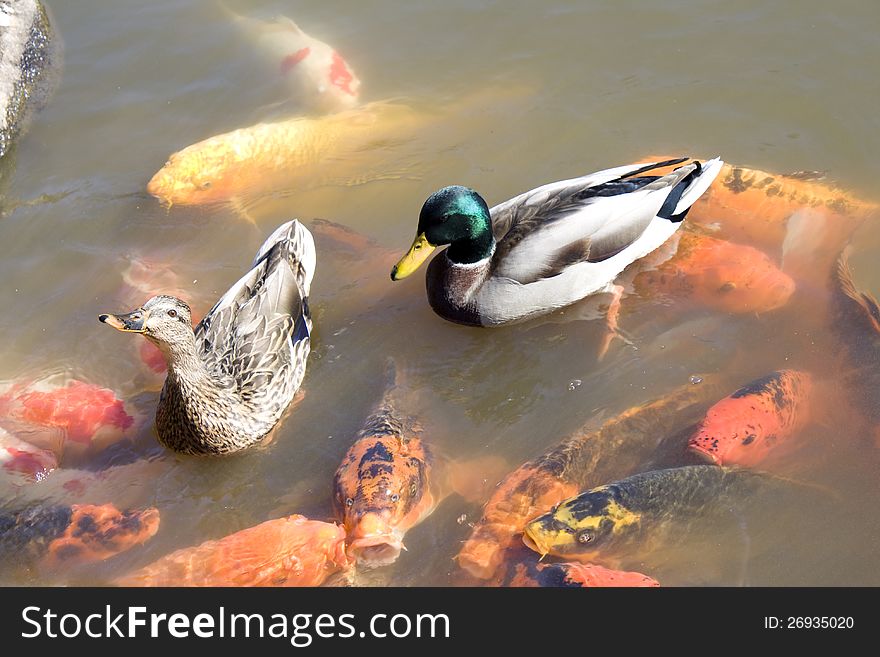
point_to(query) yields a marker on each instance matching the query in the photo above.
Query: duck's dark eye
(172, 313)
(206, 185)
(585, 537)
(395, 497)
(349, 501)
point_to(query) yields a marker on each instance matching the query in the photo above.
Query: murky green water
(566, 88)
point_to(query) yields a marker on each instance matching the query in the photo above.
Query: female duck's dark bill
(419, 251)
(132, 322)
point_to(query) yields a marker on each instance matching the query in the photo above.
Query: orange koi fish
(753, 207)
(390, 480)
(387, 482)
(350, 147)
(73, 535)
(291, 551)
(89, 418)
(759, 418)
(721, 275)
(615, 449)
(524, 570)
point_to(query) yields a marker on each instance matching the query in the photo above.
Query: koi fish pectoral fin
(475, 479)
(240, 207)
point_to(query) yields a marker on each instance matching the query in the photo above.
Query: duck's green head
(457, 216)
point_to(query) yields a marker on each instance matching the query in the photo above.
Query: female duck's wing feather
(258, 332)
(589, 224)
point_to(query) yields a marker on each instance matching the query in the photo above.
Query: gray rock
(30, 59)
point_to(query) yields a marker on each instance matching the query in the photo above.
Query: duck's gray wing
(257, 335)
(588, 221)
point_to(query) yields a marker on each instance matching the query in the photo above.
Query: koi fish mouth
(377, 550)
(533, 542)
(705, 455)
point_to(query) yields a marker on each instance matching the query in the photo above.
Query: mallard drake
(549, 247)
(231, 378)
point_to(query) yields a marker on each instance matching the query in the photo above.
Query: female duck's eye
(585, 537)
(172, 313)
(395, 497)
(348, 501)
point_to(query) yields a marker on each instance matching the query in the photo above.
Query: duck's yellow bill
(419, 251)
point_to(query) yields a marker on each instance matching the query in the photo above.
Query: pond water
(507, 96)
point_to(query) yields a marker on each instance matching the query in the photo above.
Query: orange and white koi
(315, 74)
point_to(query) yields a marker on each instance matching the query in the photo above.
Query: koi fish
(586, 458)
(522, 569)
(58, 536)
(291, 551)
(315, 74)
(716, 274)
(855, 322)
(148, 277)
(750, 206)
(759, 418)
(607, 523)
(24, 461)
(89, 418)
(390, 480)
(350, 147)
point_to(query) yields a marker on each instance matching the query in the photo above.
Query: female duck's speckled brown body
(230, 380)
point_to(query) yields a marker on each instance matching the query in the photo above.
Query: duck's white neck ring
(470, 265)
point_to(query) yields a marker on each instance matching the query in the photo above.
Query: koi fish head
(382, 489)
(732, 277)
(523, 494)
(759, 418)
(200, 173)
(581, 527)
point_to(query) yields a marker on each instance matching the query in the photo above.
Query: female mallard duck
(549, 247)
(230, 380)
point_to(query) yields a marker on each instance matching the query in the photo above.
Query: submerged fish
(759, 418)
(753, 207)
(291, 551)
(717, 274)
(607, 523)
(23, 461)
(390, 480)
(524, 570)
(149, 277)
(317, 76)
(585, 459)
(386, 483)
(855, 322)
(70, 535)
(350, 147)
(88, 417)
